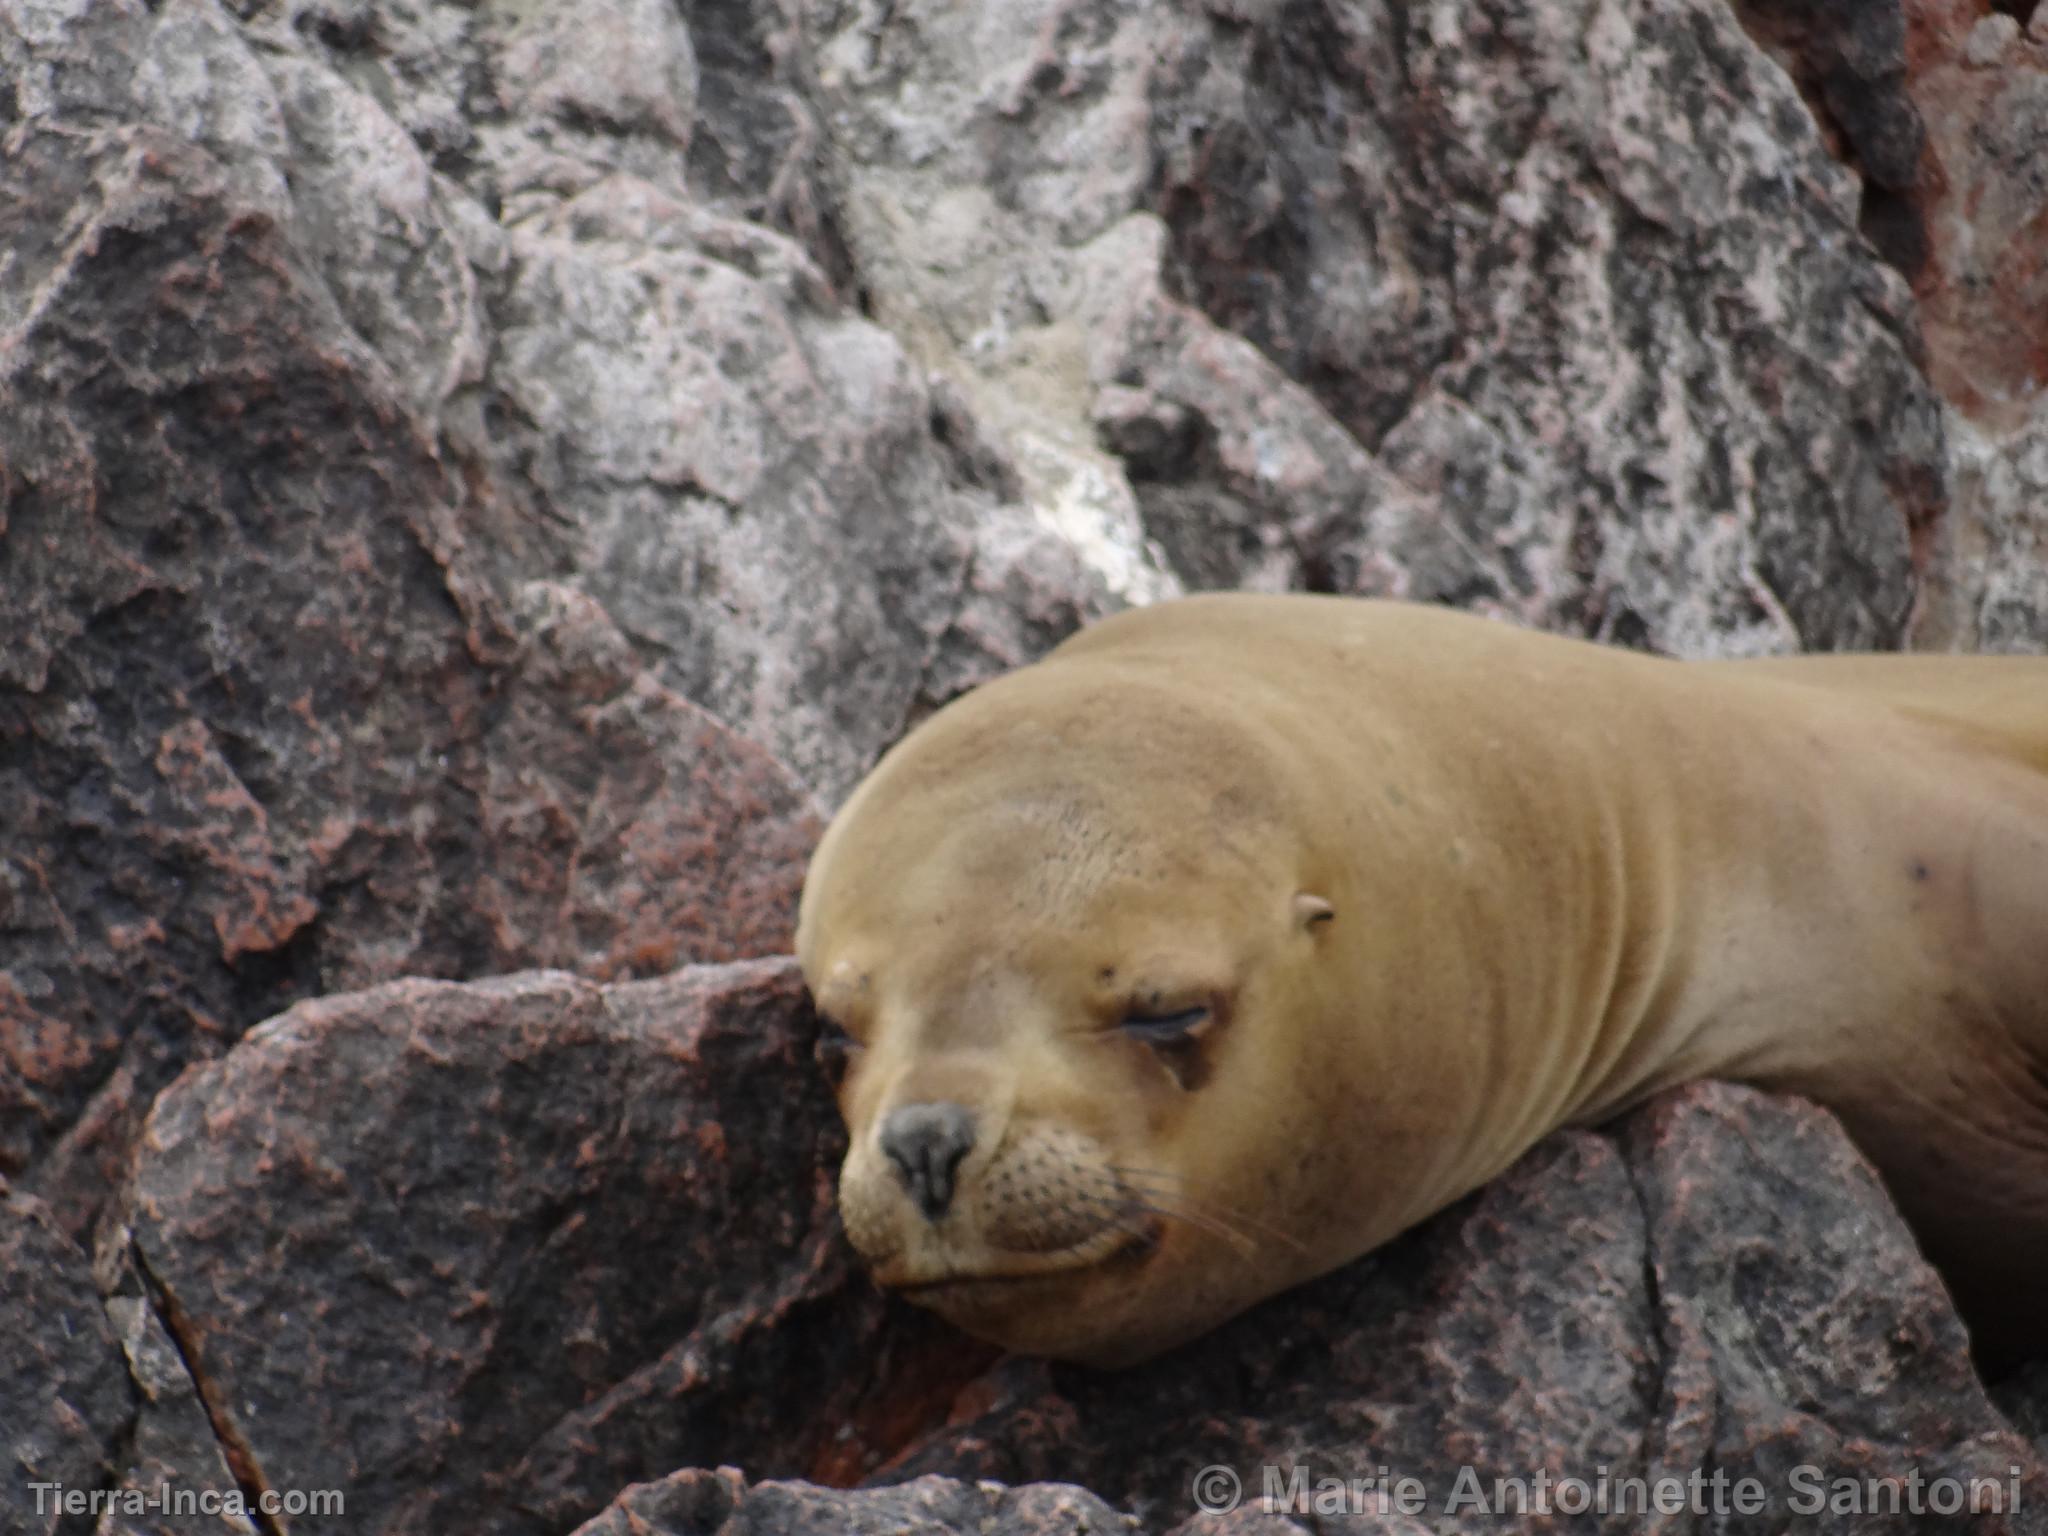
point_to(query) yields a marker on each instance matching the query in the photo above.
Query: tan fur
(1560, 877)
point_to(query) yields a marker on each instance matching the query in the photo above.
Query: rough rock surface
(264, 728)
(1980, 83)
(556, 1237)
(173, 1444)
(66, 1405)
(2024, 1397)
(691, 1502)
(533, 1238)
(476, 478)
(1549, 357)
(1849, 61)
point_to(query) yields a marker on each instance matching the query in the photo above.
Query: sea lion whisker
(1189, 1206)
(1215, 1226)
(1119, 1217)
(1177, 1186)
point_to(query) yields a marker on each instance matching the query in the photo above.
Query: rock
(790, 545)
(477, 1255)
(1982, 90)
(172, 1453)
(1848, 60)
(1987, 587)
(695, 424)
(1551, 358)
(2024, 1397)
(66, 1406)
(689, 1502)
(267, 726)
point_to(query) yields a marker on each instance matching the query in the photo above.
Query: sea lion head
(1064, 930)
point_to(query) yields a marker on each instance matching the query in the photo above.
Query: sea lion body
(1431, 887)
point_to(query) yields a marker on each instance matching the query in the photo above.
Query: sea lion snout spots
(1124, 1061)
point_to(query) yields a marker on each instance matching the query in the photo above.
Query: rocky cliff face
(478, 481)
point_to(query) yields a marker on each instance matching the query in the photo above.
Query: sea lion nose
(926, 1143)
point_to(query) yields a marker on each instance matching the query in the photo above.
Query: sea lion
(1242, 932)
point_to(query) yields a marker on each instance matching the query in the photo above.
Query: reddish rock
(1980, 82)
(478, 1255)
(1978, 79)
(262, 728)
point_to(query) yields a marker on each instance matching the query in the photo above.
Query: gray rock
(689, 1502)
(67, 1408)
(175, 1480)
(1987, 585)
(1633, 381)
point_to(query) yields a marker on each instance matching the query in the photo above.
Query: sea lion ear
(1310, 909)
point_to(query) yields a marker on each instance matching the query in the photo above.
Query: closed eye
(836, 1036)
(836, 1050)
(1164, 1028)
